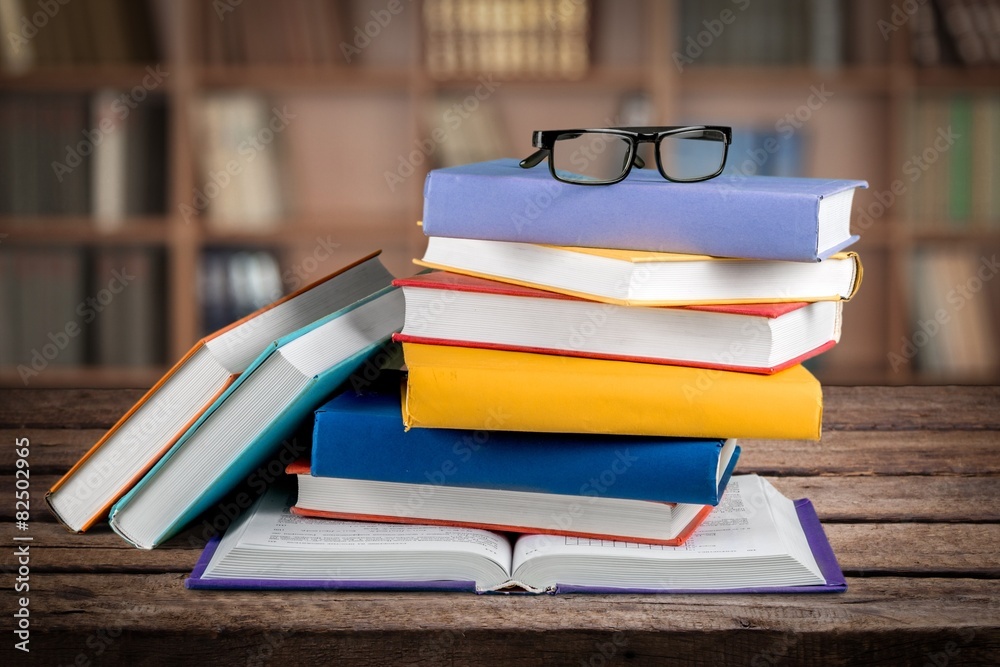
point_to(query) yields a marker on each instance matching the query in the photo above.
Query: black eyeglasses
(684, 154)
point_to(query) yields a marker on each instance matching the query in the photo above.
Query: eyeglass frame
(544, 140)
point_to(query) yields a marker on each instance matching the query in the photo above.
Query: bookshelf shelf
(610, 80)
(870, 80)
(312, 79)
(86, 78)
(83, 230)
(951, 79)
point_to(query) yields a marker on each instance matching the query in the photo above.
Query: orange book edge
(156, 387)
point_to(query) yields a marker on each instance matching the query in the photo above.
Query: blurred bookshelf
(269, 143)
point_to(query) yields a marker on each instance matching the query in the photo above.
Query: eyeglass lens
(692, 155)
(591, 157)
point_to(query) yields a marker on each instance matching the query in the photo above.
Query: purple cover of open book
(818, 543)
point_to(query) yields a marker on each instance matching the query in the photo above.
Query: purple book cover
(835, 582)
(752, 217)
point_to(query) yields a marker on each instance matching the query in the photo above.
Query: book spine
(652, 469)
(476, 389)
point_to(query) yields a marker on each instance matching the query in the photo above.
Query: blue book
(750, 217)
(245, 426)
(366, 466)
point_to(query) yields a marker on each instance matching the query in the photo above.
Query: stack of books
(567, 420)
(587, 400)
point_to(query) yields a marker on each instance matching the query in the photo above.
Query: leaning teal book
(246, 424)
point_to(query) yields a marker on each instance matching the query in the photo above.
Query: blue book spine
(753, 217)
(362, 437)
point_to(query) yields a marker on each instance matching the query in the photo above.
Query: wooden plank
(925, 549)
(889, 499)
(862, 549)
(143, 617)
(65, 408)
(876, 453)
(908, 408)
(919, 498)
(52, 450)
(846, 408)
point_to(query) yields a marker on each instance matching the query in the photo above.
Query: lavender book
(756, 540)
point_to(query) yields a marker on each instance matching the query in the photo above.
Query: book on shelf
(445, 308)
(155, 423)
(130, 331)
(756, 541)
(642, 278)
(961, 195)
(261, 33)
(750, 217)
(246, 176)
(474, 388)
(245, 425)
(956, 325)
(236, 281)
(511, 38)
(75, 33)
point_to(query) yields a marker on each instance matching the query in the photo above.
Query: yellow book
(498, 390)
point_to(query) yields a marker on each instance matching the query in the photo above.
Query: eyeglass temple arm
(534, 158)
(539, 155)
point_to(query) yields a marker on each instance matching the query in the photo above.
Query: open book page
(745, 529)
(269, 542)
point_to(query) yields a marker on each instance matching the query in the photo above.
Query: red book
(445, 308)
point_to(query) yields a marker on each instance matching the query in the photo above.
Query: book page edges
(629, 302)
(378, 518)
(142, 401)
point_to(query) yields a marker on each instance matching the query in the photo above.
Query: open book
(755, 541)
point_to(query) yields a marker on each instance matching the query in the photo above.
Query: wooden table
(906, 481)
